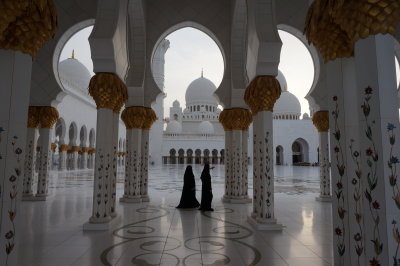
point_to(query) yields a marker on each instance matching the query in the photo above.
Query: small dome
(306, 116)
(73, 74)
(174, 127)
(282, 81)
(206, 127)
(176, 104)
(287, 104)
(201, 91)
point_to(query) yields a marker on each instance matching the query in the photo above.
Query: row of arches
(85, 139)
(287, 117)
(194, 157)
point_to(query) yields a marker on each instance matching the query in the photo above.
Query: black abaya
(206, 190)
(188, 198)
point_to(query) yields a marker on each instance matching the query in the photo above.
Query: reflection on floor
(156, 233)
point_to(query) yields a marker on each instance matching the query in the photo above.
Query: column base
(135, 199)
(145, 198)
(244, 200)
(264, 224)
(226, 199)
(40, 197)
(29, 197)
(324, 198)
(103, 224)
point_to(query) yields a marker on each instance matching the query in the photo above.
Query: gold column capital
(85, 149)
(53, 147)
(235, 119)
(63, 147)
(335, 26)
(262, 93)
(321, 121)
(75, 149)
(134, 117)
(33, 117)
(48, 116)
(108, 91)
(151, 117)
(25, 25)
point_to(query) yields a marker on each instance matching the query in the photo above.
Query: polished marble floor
(156, 233)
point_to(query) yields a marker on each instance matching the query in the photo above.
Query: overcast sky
(192, 50)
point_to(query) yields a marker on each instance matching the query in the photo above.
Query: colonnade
(41, 119)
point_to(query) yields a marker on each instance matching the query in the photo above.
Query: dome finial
(202, 72)
(73, 54)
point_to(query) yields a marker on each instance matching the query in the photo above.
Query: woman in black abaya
(206, 190)
(188, 198)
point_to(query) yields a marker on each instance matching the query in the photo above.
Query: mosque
(91, 172)
(195, 135)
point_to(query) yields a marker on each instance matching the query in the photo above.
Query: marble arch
(92, 138)
(66, 36)
(61, 130)
(73, 134)
(83, 136)
(195, 25)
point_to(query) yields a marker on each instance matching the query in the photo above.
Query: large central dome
(73, 74)
(200, 91)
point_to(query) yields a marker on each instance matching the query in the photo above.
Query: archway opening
(279, 155)
(298, 65)
(74, 62)
(188, 66)
(300, 152)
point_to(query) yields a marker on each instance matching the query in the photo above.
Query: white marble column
(75, 158)
(132, 166)
(379, 124)
(53, 147)
(114, 168)
(228, 167)
(15, 69)
(44, 163)
(321, 122)
(30, 161)
(84, 155)
(236, 164)
(144, 171)
(261, 95)
(245, 167)
(62, 151)
(103, 163)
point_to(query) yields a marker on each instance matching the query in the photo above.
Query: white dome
(206, 127)
(174, 127)
(201, 91)
(176, 104)
(282, 81)
(287, 104)
(73, 74)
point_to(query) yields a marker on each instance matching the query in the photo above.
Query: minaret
(156, 132)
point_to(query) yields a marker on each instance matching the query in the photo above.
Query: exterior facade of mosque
(194, 134)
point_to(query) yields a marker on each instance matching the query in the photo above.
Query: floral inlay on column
(372, 178)
(339, 189)
(269, 212)
(12, 209)
(357, 196)
(393, 161)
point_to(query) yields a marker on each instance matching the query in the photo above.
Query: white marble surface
(156, 233)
